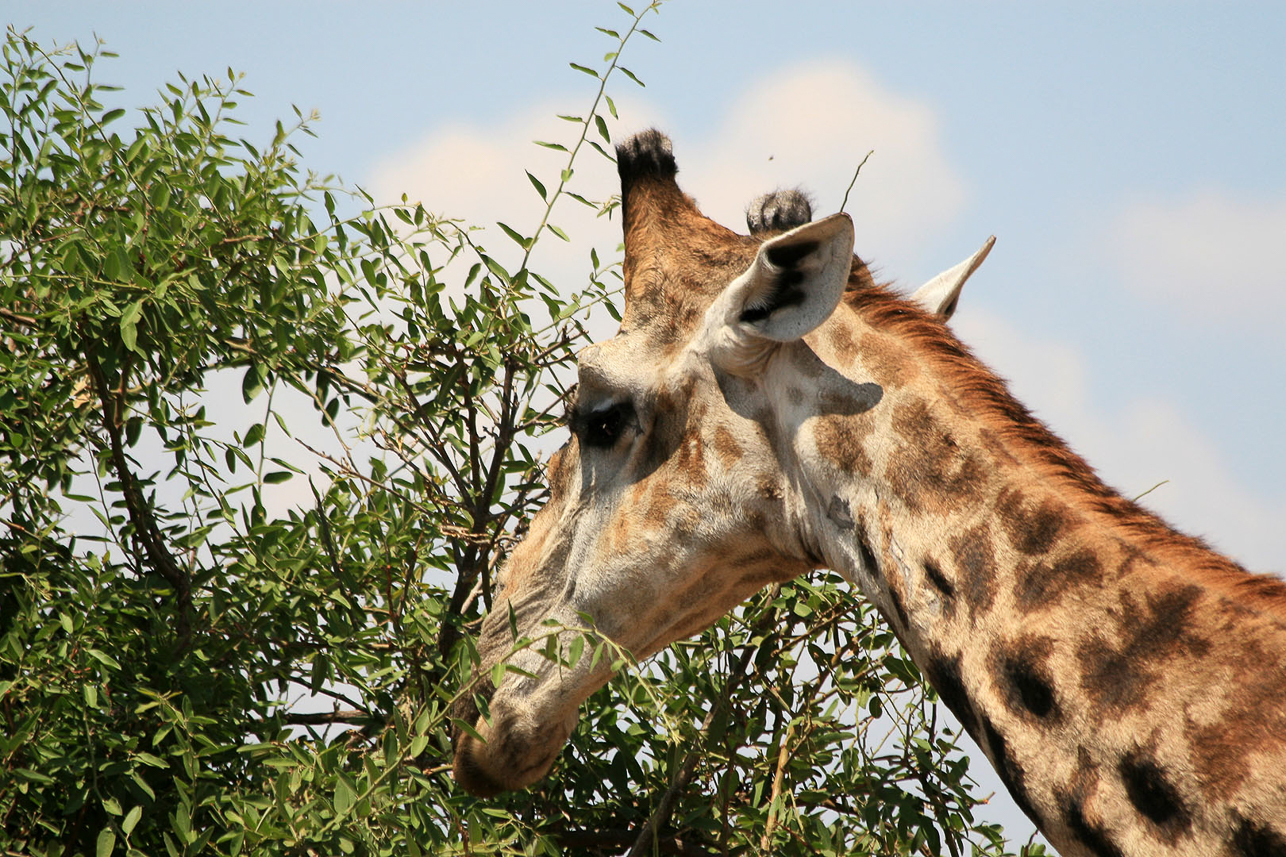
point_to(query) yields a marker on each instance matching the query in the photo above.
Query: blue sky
(1129, 157)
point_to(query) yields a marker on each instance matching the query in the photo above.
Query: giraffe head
(677, 495)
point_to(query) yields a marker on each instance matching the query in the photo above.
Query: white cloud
(1208, 254)
(1147, 442)
(477, 174)
(809, 126)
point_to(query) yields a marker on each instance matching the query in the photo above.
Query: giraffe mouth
(511, 748)
(509, 758)
(470, 764)
(467, 766)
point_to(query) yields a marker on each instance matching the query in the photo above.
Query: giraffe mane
(1030, 439)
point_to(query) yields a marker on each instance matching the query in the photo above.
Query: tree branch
(350, 716)
(140, 512)
(783, 756)
(24, 320)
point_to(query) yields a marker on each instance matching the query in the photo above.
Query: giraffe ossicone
(766, 409)
(941, 295)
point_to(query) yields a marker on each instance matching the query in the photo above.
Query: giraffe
(767, 409)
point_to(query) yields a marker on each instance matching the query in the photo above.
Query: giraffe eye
(602, 428)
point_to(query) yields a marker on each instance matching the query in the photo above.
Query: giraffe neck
(1125, 681)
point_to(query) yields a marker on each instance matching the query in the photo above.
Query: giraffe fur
(751, 421)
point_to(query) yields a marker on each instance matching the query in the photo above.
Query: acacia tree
(182, 555)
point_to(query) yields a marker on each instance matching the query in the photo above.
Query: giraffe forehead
(668, 293)
(620, 365)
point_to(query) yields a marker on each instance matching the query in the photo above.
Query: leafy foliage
(184, 556)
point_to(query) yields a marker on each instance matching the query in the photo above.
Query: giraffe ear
(794, 284)
(941, 294)
(796, 280)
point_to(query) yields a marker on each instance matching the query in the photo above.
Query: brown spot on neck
(1119, 675)
(726, 446)
(1251, 729)
(841, 441)
(975, 563)
(1032, 528)
(1045, 582)
(928, 468)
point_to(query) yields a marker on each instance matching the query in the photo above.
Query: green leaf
(575, 650)
(149, 759)
(129, 335)
(116, 265)
(277, 476)
(103, 658)
(535, 182)
(474, 270)
(494, 267)
(106, 842)
(159, 195)
(251, 383)
(131, 311)
(345, 796)
(630, 75)
(585, 69)
(131, 820)
(468, 729)
(524, 243)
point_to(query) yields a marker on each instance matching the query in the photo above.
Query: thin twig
(783, 756)
(854, 181)
(1139, 497)
(24, 320)
(327, 718)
